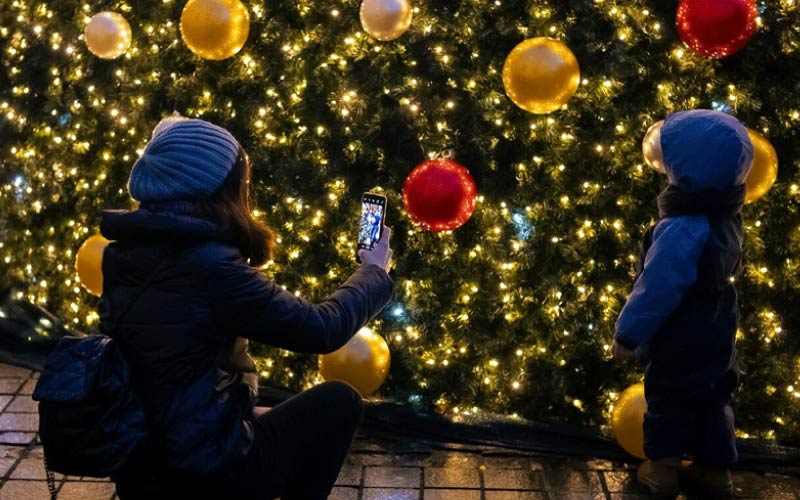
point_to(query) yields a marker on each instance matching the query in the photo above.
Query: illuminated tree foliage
(513, 313)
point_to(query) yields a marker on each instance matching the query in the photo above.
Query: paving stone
(5, 465)
(509, 462)
(514, 495)
(344, 494)
(7, 370)
(34, 452)
(392, 477)
(598, 464)
(512, 479)
(17, 437)
(14, 452)
(794, 482)
(10, 385)
(623, 482)
(82, 490)
(29, 468)
(390, 494)
(561, 478)
(375, 459)
(28, 387)
(4, 400)
(20, 489)
(750, 484)
(444, 494)
(576, 495)
(451, 477)
(19, 422)
(454, 459)
(22, 404)
(350, 475)
(410, 459)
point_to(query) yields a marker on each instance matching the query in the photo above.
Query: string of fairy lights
(74, 126)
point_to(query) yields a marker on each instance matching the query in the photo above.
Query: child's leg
(670, 421)
(716, 440)
(668, 430)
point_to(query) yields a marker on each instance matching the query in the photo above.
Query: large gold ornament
(215, 29)
(541, 74)
(765, 167)
(651, 147)
(363, 362)
(386, 19)
(89, 264)
(627, 420)
(108, 35)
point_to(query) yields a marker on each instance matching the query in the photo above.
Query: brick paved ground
(372, 471)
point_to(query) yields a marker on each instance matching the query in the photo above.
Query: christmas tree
(513, 313)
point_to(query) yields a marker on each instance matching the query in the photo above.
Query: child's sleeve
(670, 269)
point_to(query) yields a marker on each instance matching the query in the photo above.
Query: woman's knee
(343, 398)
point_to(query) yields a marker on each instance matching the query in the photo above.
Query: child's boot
(713, 481)
(660, 476)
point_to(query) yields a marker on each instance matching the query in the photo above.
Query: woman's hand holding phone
(381, 254)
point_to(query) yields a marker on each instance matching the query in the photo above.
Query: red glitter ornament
(716, 28)
(439, 195)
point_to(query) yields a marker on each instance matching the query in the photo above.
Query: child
(682, 314)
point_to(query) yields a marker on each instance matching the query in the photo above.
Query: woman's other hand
(381, 254)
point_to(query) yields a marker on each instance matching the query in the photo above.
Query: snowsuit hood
(706, 149)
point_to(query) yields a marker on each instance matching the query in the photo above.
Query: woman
(181, 292)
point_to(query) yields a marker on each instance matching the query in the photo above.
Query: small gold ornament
(108, 35)
(765, 167)
(386, 19)
(651, 147)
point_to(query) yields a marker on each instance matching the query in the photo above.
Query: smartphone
(370, 225)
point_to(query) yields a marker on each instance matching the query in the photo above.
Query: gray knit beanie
(186, 159)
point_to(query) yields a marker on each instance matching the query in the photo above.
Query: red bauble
(439, 195)
(716, 28)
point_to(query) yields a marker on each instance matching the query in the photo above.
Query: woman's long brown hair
(230, 207)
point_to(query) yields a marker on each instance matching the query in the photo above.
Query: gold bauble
(651, 147)
(765, 167)
(363, 362)
(108, 35)
(386, 19)
(627, 420)
(215, 29)
(541, 74)
(89, 264)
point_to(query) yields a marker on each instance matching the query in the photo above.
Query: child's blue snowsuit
(683, 310)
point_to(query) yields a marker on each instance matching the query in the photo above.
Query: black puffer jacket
(180, 330)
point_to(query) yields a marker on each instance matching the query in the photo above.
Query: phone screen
(370, 226)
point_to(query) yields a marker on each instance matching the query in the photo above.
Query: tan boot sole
(657, 489)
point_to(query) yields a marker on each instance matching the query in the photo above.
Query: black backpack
(90, 418)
